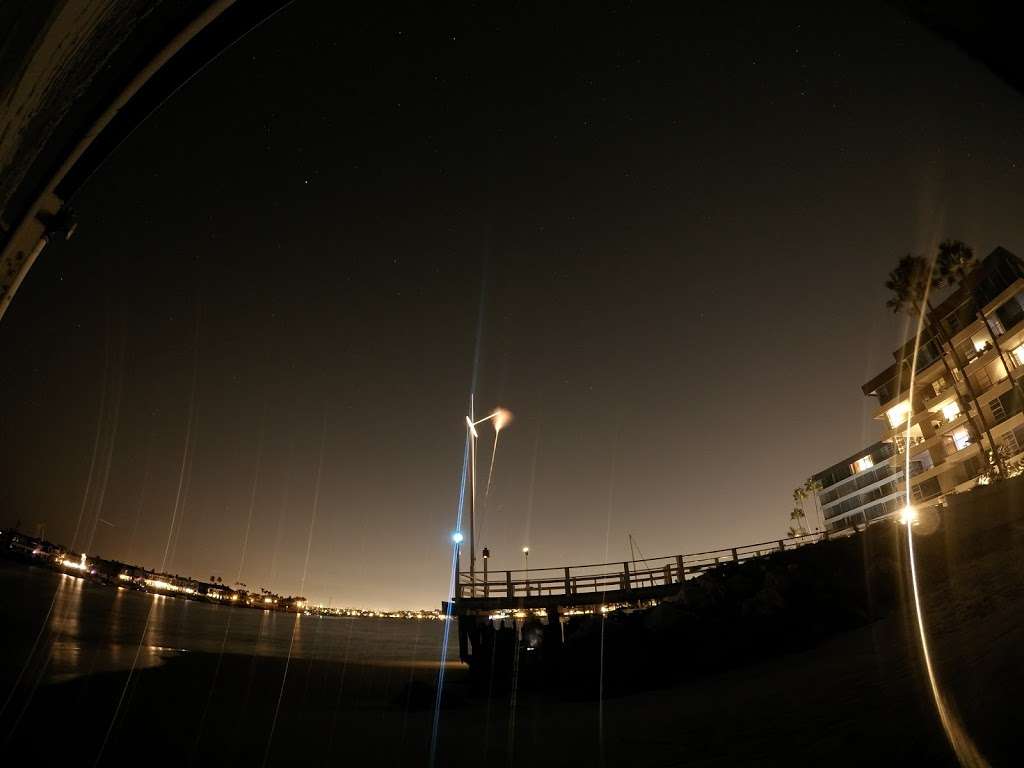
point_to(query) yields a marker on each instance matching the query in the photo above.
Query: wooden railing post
(568, 589)
(625, 575)
(782, 546)
(680, 571)
(735, 557)
(508, 584)
(668, 574)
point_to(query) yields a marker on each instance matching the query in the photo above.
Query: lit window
(865, 462)
(951, 411)
(898, 414)
(1018, 354)
(961, 438)
(999, 369)
(981, 341)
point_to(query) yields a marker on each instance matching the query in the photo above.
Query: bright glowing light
(961, 438)
(472, 427)
(898, 414)
(457, 537)
(1018, 354)
(951, 411)
(526, 550)
(267, 600)
(908, 515)
(124, 577)
(502, 417)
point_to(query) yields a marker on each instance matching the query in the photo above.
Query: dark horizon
(678, 230)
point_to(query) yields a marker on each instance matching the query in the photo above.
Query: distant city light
(80, 566)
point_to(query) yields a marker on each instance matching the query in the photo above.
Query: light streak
(490, 471)
(454, 574)
(959, 740)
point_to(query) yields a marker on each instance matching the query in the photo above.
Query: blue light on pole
(457, 537)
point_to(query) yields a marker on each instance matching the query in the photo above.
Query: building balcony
(941, 400)
(1005, 295)
(952, 462)
(858, 490)
(981, 361)
(917, 418)
(859, 511)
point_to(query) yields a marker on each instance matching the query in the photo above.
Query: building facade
(965, 411)
(863, 487)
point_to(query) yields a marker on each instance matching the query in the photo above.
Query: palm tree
(910, 283)
(811, 488)
(799, 494)
(798, 517)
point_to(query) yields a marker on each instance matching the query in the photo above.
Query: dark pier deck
(553, 593)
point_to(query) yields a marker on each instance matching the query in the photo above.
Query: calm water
(74, 628)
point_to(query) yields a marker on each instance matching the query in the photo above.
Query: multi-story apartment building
(967, 400)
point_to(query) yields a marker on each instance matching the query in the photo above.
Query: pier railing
(608, 577)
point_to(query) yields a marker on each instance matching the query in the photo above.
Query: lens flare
(967, 753)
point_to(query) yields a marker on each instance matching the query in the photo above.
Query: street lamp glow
(501, 417)
(908, 515)
(526, 550)
(457, 537)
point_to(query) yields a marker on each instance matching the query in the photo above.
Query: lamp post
(526, 557)
(499, 417)
(486, 554)
(457, 541)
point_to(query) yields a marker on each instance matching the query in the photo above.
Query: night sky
(678, 229)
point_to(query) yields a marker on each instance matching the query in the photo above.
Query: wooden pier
(626, 581)
(552, 593)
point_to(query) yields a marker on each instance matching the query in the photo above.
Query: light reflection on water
(96, 629)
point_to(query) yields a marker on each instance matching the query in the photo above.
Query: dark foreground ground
(858, 698)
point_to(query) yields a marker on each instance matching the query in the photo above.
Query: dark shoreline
(858, 697)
